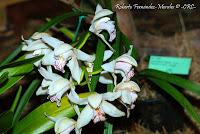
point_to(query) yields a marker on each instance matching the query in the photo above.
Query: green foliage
(176, 80)
(97, 63)
(37, 122)
(9, 83)
(25, 99)
(172, 91)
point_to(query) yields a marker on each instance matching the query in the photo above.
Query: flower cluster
(58, 55)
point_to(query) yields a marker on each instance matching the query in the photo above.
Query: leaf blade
(176, 80)
(178, 97)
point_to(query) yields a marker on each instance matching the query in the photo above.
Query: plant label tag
(172, 65)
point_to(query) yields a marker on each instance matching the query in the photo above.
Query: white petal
(73, 97)
(28, 56)
(100, 12)
(48, 59)
(75, 70)
(53, 42)
(47, 75)
(98, 24)
(62, 49)
(107, 55)
(58, 85)
(111, 110)
(128, 59)
(111, 96)
(64, 124)
(126, 97)
(38, 35)
(130, 50)
(45, 83)
(37, 63)
(109, 67)
(104, 40)
(98, 8)
(105, 78)
(41, 91)
(38, 44)
(95, 100)
(84, 56)
(128, 85)
(85, 117)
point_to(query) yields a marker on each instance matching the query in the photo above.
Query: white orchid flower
(122, 65)
(67, 55)
(101, 22)
(128, 91)
(64, 125)
(97, 106)
(53, 85)
(35, 46)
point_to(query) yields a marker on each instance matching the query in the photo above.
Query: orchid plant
(63, 67)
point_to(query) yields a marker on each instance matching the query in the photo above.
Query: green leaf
(97, 63)
(67, 32)
(178, 97)
(3, 77)
(82, 40)
(36, 122)
(58, 19)
(21, 62)
(11, 56)
(25, 99)
(176, 80)
(108, 128)
(9, 83)
(19, 70)
(16, 99)
(6, 121)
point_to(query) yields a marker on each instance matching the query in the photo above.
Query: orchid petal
(47, 75)
(38, 35)
(53, 42)
(41, 91)
(109, 66)
(129, 85)
(75, 70)
(73, 97)
(126, 97)
(63, 48)
(105, 78)
(37, 63)
(85, 117)
(84, 56)
(58, 85)
(111, 110)
(48, 59)
(130, 50)
(128, 59)
(38, 44)
(29, 55)
(111, 96)
(100, 12)
(64, 125)
(104, 40)
(45, 83)
(94, 100)
(107, 55)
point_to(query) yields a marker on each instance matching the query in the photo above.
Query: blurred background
(174, 32)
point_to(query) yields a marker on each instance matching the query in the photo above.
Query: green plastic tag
(173, 65)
